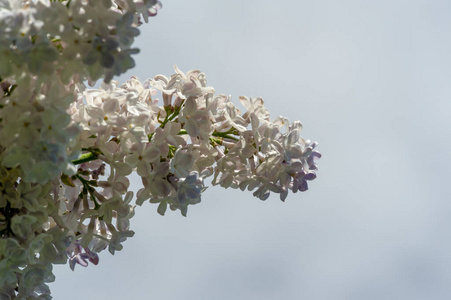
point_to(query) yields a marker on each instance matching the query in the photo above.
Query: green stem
(175, 114)
(89, 189)
(215, 141)
(225, 135)
(171, 114)
(87, 157)
(93, 154)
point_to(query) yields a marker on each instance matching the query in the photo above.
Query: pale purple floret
(311, 160)
(189, 191)
(300, 181)
(81, 258)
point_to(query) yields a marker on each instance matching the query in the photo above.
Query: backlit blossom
(66, 150)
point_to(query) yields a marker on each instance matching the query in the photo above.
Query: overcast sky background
(370, 81)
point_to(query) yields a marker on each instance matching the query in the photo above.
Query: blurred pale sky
(370, 81)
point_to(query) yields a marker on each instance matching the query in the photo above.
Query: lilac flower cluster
(47, 50)
(66, 150)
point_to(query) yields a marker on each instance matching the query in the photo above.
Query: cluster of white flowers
(49, 47)
(66, 150)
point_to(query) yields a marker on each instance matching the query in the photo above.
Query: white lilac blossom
(195, 136)
(66, 150)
